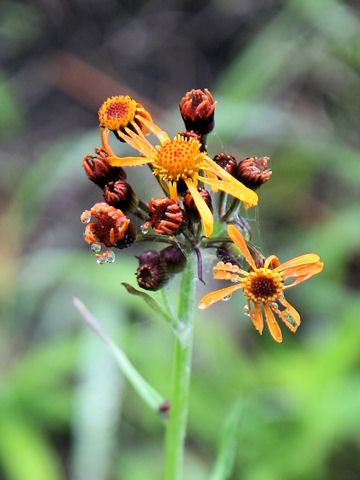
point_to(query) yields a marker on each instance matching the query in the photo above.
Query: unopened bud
(197, 110)
(253, 172)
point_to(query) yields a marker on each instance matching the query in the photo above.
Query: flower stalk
(176, 426)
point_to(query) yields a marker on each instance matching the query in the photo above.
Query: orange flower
(182, 159)
(264, 285)
(111, 229)
(121, 113)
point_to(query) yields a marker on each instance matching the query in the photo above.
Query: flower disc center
(263, 285)
(117, 112)
(181, 158)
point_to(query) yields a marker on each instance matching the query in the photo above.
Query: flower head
(123, 114)
(264, 286)
(197, 110)
(111, 228)
(253, 171)
(174, 258)
(181, 159)
(120, 195)
(227, 162)
(151, 273)
(99, 171)
(166, 217)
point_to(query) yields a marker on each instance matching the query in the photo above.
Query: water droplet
(110, 258)
(202, 305)
(95, 247)
(144, 229)
(225, 299)
(86, 219)
(290, 319)
(100, 260)
(246, 311)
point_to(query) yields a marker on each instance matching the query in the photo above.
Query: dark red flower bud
(151, 273)
(190, 206)
(99, 170)
(174, 258)
(119, 194)
(253, 172)
(166, 216)
(227, 162)
(197, 110)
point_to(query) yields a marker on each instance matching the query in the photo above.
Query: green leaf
(142, 387)
(154, 305)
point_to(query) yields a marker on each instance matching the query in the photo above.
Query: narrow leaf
(142, 387)
(154, 305)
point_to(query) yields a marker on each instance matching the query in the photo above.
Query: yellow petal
(173, 191)
(204, 211)
(127, 161)
(233, 186)
(138, 143)
(239, 241)
(272, 324)
(155, 130)
(217, 295)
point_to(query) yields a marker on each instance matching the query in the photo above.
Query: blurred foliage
(291, 92)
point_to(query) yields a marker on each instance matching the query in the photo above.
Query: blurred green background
(286, 75)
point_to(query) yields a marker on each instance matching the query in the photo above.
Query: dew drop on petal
(202, 305)
(290, 319)
(225, 299)
(95, 247)
(110, 258)
(100, 260)
(246, 310)
(86, 219)
(144, 229)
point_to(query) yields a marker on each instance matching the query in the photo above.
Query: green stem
(176, 426)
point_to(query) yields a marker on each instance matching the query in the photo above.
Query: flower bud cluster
(183, 216)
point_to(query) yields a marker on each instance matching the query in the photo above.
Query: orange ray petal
(140, 144)
(104, 135)
(239, 241)
(137, 129)
(204, 211)
(273, 260)
(284, 319)
(290, 316)
(223, 275)
(155, 130)
(229, 267)
(301, 260)
(272, 324)
(128, 161)
(217, 295)
(256, 316)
